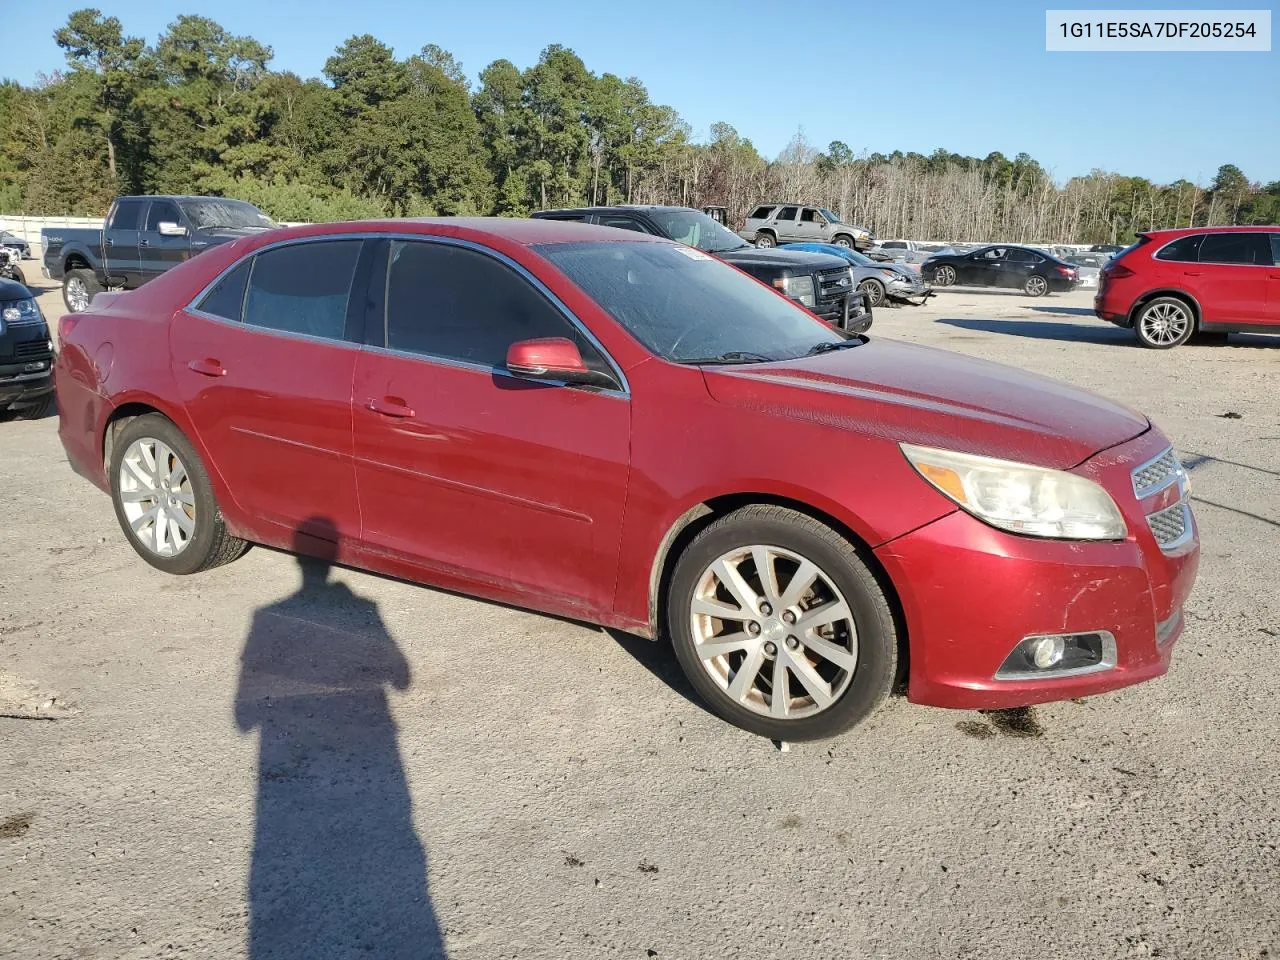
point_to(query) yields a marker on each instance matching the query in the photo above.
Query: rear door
(466, 470)
(120, 239)
(1230, 280)
(264, 364)
(786, 224)
(158, 253)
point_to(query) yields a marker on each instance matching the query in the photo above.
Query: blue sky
(915, 75)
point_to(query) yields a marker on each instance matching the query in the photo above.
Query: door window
(458, 304)
(1182, 250)
(761, 213)
(1235, 248)
(991, 253)
(303, 288)
(1023, 256)
(226, 300)
(162, 211)
(127, 216)
(809, 215)
(788, 213)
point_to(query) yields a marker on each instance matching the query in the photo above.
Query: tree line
(201, 111)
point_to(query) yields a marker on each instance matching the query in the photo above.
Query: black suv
(26, 354)
(820, 282)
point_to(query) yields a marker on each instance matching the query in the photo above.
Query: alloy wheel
(157, 497)
(873, 290)
(843, 242)
(1036, 286)
(774, 632)
(1165, 323)
(944, 276)
(77, 295)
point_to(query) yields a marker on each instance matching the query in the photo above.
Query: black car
(818, 281)
(15, 242)
(26, 354)
(1034, 272)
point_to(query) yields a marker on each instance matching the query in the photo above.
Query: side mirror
(167, 228)
(555, 360)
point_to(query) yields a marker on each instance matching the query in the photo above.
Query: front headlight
(797, 288)
(19, 311)
(1021, 498)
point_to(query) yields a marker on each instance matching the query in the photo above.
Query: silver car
(879, 281)
(1088, 267)
(770, 224)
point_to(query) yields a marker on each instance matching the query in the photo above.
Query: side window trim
(378, 324)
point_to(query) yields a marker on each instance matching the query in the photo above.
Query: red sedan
(620, 429)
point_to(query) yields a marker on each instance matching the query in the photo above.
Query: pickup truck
(140, 239)
(818, 281)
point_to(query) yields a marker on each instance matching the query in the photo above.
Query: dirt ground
(241, 764)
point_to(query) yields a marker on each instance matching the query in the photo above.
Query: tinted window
(303, 288)
(788, 213)
(128, 215)
(226, 300)
(1183, 250)
(809, 215)
(761, 213)
(1024, 256)
(623, 223)
(1235, 248)
(162, 211)
(455, 303)
(684, 304)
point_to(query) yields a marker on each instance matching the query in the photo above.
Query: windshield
(829, 215)
(683, 305)
(696, 229)
(853, 256)
(226, 213)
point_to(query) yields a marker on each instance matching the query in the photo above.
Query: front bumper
(905, 288)
(971, 593)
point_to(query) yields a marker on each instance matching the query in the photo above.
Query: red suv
(621, 429)
(1174, 284)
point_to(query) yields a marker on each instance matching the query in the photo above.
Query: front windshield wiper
(732, 356)
(828, 346)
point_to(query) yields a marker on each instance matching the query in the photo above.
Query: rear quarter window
(303, 288)
(762, 213)
(226, 300)
(1182, 250)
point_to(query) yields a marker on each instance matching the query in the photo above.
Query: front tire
(766, 240)
(1164, 323)
(1035, 286)
(79, 287)
(844, 240)
(874, 290)
(780, 626)
(944, 276)
(164, 500)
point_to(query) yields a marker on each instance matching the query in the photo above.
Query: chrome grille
(833, 284)
(1154, 475)
(1171, 526)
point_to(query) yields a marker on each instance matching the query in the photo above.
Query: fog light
(1047, 651)
(1059, 655)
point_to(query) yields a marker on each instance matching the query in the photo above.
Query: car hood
(12, 290)
(910, 393)
(774, 257)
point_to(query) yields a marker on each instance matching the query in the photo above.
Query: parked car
(819, 282)
(141, 238)
(770, 224)
(1088, 268)
(1174, 284)
(879, 281)
(625, 430)
(1031, 271)
(26, 355)
(11, 241)
(9, 269)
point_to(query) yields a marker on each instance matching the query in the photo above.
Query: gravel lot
(528, 787)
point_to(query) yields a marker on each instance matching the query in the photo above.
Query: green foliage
(202, 111)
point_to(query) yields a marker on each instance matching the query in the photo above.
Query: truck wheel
(79, 287)
(844, 240)
(766, 240)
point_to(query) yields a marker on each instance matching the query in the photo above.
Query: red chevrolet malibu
(620, 429)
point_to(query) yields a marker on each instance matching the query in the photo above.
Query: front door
(466, 470)
(810, 226)
(1230, 279)
(983, 267)
(158, 253)
(264, 365)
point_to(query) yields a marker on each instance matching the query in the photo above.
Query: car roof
(1188, 231)
(631, 207)
(523, 232)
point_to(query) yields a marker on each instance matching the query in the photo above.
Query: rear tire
(207, 543)
(1035, 286)
(836, 671)
(765, 240)
(79, 287)
(1164, 323)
